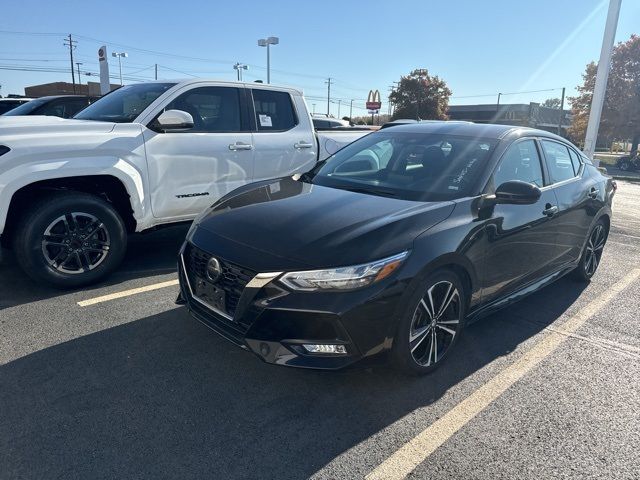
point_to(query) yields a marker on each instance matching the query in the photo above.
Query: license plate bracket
(211, 294)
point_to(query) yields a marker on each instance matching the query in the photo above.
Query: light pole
(265, 42)
(239, 67)
(602, 75)
(120, 55)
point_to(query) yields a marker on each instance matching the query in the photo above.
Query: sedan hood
(317, 226)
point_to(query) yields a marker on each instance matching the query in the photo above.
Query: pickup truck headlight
(344, 278)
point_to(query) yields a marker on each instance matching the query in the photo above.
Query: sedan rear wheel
(433, 325)
(592, 253)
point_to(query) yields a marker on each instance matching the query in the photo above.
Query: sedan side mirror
(517, 192)
(174, 121)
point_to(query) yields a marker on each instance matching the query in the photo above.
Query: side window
(575, 160)
(558, 161)
(274, 111)
(55, 109)
(520, 162)
(214, 109)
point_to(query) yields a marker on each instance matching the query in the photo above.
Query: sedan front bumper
(275, 323)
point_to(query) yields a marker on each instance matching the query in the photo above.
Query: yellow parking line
(127, 293)
(413, 453)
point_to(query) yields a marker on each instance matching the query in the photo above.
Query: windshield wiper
(370, 191)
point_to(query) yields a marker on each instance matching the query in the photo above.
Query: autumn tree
(621, 111)
(552, 103)
(421, 96)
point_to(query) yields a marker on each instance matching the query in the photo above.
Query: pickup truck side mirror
(174, 121)
(517, 192)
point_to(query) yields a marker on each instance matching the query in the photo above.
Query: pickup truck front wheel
(70, 239)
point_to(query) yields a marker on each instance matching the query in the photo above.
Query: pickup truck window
(124, 104)
(274, 111)
(214, 109)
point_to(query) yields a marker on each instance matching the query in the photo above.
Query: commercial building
(64, 88)
(522, 114)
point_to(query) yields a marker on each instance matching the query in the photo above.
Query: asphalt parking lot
(132, 387)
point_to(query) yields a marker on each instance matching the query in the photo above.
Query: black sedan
(64, 106)
(396, 242)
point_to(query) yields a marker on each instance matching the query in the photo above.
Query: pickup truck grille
(232, 281)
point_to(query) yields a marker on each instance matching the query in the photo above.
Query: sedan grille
(232, 281)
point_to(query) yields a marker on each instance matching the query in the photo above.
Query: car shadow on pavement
(153, 253)
(164, 397)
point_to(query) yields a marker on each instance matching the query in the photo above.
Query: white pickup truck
(144, 155)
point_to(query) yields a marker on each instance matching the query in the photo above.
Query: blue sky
(479, 47)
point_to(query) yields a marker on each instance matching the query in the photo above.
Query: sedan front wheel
(432, 325)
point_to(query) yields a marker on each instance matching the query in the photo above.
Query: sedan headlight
(344, 278)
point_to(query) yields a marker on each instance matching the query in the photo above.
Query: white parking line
(127, 293)
(413, 453)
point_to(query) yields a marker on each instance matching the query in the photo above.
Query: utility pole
(156, 76)
(351, 111)
(339, 103)
(561, 113)
(79, 78)
(328, 82)
(391, 89)
(602, 76)
(69, 42)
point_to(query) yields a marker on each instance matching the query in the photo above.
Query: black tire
(592, 253)
(410, 354)
(86, 239)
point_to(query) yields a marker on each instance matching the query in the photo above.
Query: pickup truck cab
(144, 155)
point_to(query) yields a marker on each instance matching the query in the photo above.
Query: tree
(621, 111)
(551, 103)
(421, 96)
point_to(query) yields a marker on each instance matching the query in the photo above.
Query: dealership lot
(116, 381)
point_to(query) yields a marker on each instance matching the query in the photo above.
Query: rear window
(558, 161)
(274, 111)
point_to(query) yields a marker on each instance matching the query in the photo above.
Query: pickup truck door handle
(303, 145)
(240, 146)
(550, 210)
(593, 193)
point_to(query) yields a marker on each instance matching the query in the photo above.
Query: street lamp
(239, 67)
(120, 55)
(265, 42)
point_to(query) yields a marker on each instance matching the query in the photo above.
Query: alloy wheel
(436, 321)
(595, 246)
(75, 243)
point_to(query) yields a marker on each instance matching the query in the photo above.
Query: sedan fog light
(314, 348)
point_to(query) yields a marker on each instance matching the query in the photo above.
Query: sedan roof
(467, 129)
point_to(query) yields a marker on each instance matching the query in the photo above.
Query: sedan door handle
(593, 193)
(303, 145)
(550, 210)
(240, 146)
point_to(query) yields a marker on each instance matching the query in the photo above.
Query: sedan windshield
(124, 104)
(410, 166)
